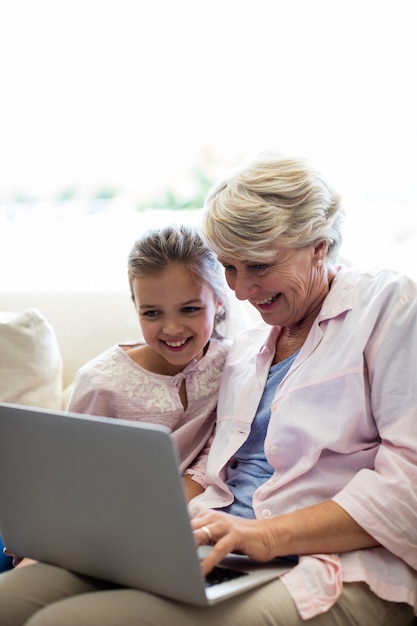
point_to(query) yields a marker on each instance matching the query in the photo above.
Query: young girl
(172, 376)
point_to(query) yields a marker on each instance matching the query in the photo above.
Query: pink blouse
(113, 385)
(343, 426)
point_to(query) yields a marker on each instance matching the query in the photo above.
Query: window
(107, 105)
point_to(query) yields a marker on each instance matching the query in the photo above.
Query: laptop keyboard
(222, 574)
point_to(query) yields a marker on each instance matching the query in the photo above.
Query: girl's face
(176, 313)
(287, 290)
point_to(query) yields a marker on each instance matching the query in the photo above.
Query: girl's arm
(191, 487)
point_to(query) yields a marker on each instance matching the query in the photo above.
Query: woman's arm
(321, 528)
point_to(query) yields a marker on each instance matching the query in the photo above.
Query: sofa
(46, 337)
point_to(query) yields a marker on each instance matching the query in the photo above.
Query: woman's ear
(320, 251)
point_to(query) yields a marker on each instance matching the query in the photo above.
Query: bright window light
(109, 106)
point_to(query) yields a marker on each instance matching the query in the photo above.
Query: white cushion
(30, 360)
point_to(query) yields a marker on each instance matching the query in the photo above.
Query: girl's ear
(219, 306)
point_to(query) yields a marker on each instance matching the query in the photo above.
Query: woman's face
(287, 289)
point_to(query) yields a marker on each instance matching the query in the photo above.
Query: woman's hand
(229, 533)
(323, 528)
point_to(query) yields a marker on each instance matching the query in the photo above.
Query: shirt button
(266, 513)
(274, 450)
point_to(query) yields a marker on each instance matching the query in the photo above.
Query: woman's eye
(259, 267)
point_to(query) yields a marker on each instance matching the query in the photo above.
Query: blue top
(5, 561)
(249, 468)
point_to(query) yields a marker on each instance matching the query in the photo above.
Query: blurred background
(116, 115)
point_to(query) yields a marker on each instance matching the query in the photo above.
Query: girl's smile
(176, 312)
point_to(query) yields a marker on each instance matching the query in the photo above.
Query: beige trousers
(43, 595)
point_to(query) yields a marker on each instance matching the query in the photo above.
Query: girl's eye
(150, 313)
(191, 309)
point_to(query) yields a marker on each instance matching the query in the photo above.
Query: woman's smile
(264, 304)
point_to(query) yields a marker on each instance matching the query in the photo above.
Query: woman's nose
(243, 286)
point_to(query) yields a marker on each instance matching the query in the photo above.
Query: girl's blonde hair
(160, 247)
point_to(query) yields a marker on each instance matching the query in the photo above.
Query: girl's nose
(172, 327)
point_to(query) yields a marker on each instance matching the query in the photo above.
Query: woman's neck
(292, 338)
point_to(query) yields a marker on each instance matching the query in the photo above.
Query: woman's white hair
(274, 201)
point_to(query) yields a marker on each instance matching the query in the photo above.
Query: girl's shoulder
(218, 347)
(214, 358)
(113, 358)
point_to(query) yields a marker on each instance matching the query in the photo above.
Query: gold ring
(208, 533)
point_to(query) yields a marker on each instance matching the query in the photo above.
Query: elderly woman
(321, 447)
(315, 452)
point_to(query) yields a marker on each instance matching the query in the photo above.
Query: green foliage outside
(199, 183)
(106, 193)
(170, 199)
(67, 195)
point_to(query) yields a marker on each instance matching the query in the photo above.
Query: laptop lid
(104, 497)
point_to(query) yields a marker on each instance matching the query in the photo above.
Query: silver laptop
(104, 497)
